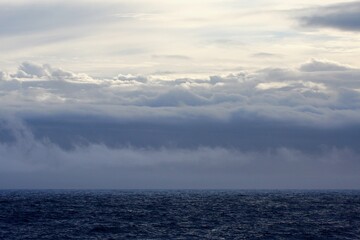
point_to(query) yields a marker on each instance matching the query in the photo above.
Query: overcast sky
(180, 94)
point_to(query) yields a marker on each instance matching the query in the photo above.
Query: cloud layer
(318, 92)
(267, 128)
(179, 94)
(30, 163)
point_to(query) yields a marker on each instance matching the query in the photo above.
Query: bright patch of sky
(183, 38)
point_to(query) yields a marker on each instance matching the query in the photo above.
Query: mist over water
(147, 156)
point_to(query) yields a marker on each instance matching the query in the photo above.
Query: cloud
(176, 97)
(273, 93)
(104, 38)
(24, 18)
(3, 76)
(131, 78)
(344, 16)
(315, 65)
(176, 57)
(194, 119)
(272, 85)
(265, 55)
(253, 110)
(34, 73)
(31, 163)
(273, 127)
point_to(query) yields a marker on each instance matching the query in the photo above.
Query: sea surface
(55, 214)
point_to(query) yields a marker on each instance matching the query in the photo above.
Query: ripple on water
(179, 214)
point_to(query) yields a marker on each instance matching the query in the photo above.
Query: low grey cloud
(29, 163)
(262, 128)
(344, 16)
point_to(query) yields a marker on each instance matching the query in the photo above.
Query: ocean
(179, 214)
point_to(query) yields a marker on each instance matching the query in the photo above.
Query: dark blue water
(179, 215)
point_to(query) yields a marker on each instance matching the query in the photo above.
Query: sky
(154, 94)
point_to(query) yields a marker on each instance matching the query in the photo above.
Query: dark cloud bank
(272, 128)
(345, 16)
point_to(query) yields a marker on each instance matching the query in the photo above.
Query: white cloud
(131, 78)
(272, 93)
(3, 76)
(272, 85)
